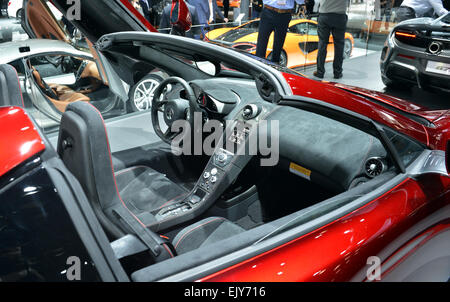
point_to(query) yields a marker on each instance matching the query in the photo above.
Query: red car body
(20, 140)
(339, 251)
(398, 227)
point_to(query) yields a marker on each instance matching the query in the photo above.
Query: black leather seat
(10, 92)
(83, 146)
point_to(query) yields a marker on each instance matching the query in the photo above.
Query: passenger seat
(62, 96)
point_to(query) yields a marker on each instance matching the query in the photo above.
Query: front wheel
(141, 95)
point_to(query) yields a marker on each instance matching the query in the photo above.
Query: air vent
(251, 111)
(374, 167)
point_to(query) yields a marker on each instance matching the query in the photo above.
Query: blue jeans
(255, 14)
(272, 22)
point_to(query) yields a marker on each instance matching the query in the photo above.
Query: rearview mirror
(208, 67)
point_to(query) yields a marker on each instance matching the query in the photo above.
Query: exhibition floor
(364, 71)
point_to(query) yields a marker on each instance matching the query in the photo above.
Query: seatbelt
(160, 248)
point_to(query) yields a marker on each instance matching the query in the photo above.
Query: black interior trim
(350, 118)
(86, 224)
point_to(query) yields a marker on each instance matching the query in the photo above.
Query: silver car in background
(417, 53)
(55, 63)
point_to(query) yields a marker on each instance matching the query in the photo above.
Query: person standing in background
(309, 7)
(146, 7)
(332, 19)
(275, 17)
(204, 10)
(386, 11)
(165, 26)
(226, 7)
(257, 6)
(217, 13)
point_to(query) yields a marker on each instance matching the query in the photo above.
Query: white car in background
(15, 9)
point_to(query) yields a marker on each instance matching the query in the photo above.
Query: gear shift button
(195, 199)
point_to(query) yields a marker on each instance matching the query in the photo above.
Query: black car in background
(417, 53)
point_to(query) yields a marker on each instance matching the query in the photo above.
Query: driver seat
(84, 148)
(60, 96)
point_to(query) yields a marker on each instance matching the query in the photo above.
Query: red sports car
(344, 184)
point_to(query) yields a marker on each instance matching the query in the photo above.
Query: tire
(348, 48)
(283, 58)
(141, 95)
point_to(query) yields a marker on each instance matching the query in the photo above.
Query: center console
(221, 171)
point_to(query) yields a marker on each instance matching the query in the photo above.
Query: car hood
(93, 18)
(396, 103)
(236, 34)
(428, 24)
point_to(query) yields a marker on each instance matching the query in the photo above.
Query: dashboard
(312, 146)
(313, 142)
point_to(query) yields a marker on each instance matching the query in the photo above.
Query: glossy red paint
(441, 134)
(138, 15)
(20, 139)
(337, 251)
(331, 94)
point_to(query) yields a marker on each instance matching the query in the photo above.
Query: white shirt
(423, 6)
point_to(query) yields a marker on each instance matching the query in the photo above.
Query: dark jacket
(257, 5)
(146, 9)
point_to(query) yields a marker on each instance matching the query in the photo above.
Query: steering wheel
(54, 60)
(68, 65)
(173, 109)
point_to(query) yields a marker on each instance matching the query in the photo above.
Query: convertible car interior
(80, 79)
(87, 85)
(163, 212)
